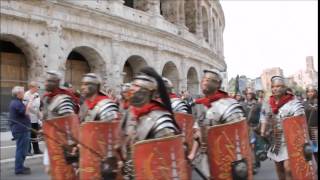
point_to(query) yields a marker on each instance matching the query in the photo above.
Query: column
(54, 58)
(154, 7)
(183, 79)
(114, 76)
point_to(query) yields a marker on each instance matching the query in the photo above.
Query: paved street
(266, 171)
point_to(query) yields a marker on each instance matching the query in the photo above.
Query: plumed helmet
(145, 81)
(167, 82)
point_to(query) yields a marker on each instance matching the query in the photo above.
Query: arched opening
(128, 3)
(169, 10)
(137, 4)
(132, 66)
(76, 66)
(190, 15)
(14, 72)
(193, 81)
(81, 60)
(205, 24)
(170, 71)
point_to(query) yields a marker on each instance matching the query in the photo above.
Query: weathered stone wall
(107, 33)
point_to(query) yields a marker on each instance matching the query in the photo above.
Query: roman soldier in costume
(218, 108)
(57, 102)
(97, 106)
(283, 105)
(217, 101)
(153, 119)
(99, 115)
(311, 110)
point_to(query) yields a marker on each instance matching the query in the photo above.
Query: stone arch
(129, 3)
(81, 60)
(205, 24)
(193, 81)
(32, 58)
(132, 66)
(15, 59)
(170, 10)
(171, 72)
(191, 15)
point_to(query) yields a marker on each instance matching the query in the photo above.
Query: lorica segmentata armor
(104, 110)
(179, 105)
(60, 105)
(278, 145)
(156, 124)
(223, 111)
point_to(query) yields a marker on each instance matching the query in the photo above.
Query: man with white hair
(19, 124)
(32, 96)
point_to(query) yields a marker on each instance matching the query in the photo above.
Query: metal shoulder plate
(61, 105)
(224, 110)
(105, 110)
(291, 108)
(179, 105)
(154, 124)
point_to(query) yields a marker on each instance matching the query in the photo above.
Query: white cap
(145, 81)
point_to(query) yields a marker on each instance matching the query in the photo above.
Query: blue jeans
(22, 146)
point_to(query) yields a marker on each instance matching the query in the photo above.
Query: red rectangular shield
(296, 135)
(185, 122)
(57, 129)
(228, 143)
(100, 137)
(160, 159)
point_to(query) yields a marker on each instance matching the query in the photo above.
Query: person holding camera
(32, 96)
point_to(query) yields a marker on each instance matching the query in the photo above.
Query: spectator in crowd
(19, 124)
(32, 96)
(238, 97)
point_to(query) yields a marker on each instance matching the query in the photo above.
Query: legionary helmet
(91, 78)
(93, 84)
(213, 74)
(53, 75)
(277, 79)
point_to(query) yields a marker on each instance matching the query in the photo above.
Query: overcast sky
(271, 33)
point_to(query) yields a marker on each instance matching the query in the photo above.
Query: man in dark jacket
(19, 123)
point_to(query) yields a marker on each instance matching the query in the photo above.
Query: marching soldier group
(151, 133)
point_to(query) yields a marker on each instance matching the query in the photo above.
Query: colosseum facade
(113, 38)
